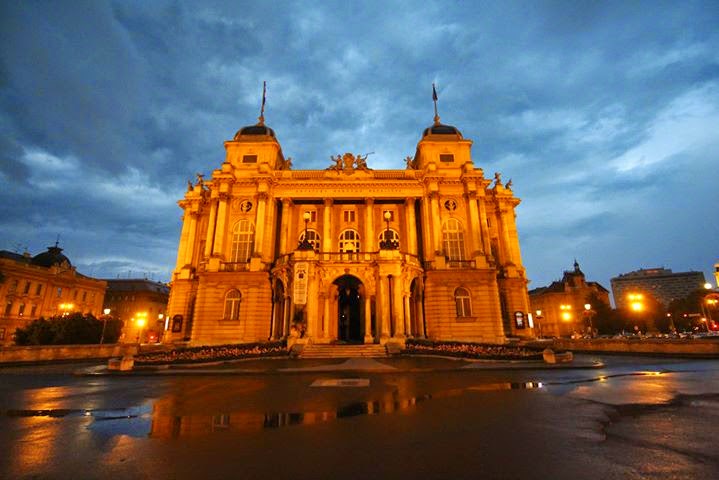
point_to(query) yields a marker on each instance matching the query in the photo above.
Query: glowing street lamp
(106, 313)
(636, 302)
(388, 243)
(590, 314)
(140, 321)
(565, 312)
(66, 308)
(708, 286)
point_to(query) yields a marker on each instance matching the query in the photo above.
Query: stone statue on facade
(508, 185)
(348, 163)
(411, 164)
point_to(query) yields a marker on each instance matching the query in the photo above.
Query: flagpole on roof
(434, 99)
(262, 108)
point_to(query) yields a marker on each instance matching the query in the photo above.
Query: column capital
(369, 201)
(224, 196)
(328, 202)
(410, 201)
(262, 195)
(286, 202)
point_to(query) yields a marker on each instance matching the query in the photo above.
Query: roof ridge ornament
(434, 99)
(261, 119)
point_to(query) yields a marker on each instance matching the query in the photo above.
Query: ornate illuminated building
(44, 285)
(348, 253)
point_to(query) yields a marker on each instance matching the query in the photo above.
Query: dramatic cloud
(604, 115)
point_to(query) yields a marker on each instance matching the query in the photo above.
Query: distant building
(45, 285)
(132, 299)
(660, 283)
(716, 275)
(559, 310)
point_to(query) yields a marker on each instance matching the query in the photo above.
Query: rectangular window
(38, 289)
(74, 297)
(33, 310)
(27, 288)
(8, 307)
(59, 292)
(249, 159)
(21, 310)
(84, 296)
(313, 215)
(446, 157)
(348, 216)
(13, 287)
(2, 334)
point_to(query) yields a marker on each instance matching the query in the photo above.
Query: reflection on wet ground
(145, 420)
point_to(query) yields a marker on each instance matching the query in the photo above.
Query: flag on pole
(434, 93)
(264, 94)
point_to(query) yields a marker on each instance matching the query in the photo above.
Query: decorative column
(427, 231)
(327, 226)
(506, 247)
(221, 227)
(484, 228)
(260, 223)
(409, 331)
(287, 310)
(398, 307)
(411, 227)
(368, 319)
(283, 233)
(210, 238)
(369, 226)
(474, 221)
(326, 316)
(383, 298)
(189, 245)
(436, 221)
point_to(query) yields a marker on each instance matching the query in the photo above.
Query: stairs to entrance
(343, 351)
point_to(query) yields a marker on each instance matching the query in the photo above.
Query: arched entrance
(349, 309)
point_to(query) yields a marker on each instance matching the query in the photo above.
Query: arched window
(463, 302)
(453, 240)
(393, 236)
(313, 237)
(349, 242)
(243, 238)
(232, 305)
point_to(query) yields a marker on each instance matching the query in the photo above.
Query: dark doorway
(349, 309)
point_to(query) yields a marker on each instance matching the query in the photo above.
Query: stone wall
(48, 353)
(696, 347)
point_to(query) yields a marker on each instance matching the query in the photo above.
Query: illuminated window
(312, 237)
(348, 216)
(243, 237)
(249, 159)
(453, 240)
(393, 235)
(463, 302)
(349, 241)
(232, 305)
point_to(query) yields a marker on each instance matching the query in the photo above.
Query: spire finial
(434, 99)
(576, 264)
(261, 120)
(57, 240)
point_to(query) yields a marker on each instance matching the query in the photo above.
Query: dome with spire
(53, 256)
(257, 129)
(441, 129)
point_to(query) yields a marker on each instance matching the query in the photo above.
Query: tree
(605, 319)
(68, 330)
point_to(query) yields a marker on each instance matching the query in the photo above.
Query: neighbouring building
(44, 285)
(559, 308)
(132, 299)
(348, 253)
(660, 283)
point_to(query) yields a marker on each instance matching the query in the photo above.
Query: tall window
(349, 241)
(312, 237)
(463, 302)
(453, 240)
(38, 289)
(232, 305)
(21, 310)
(27, 287)
(243, 237)
(8, 307)
(348, 216)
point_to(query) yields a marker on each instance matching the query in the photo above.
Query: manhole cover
(341, 382)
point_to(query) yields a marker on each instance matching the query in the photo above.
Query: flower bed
(471, 350)
(213, 353)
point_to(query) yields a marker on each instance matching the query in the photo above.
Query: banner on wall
(299, 292)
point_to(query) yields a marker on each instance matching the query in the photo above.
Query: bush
(213, 353)
(74, 329)
(471, 350)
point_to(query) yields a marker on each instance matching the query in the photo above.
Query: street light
(388, 243)
(539, 323)
(590, 314)
(140, 321)
(66, 308)
(305, 243)
(106, 313)
(636, 302)
(708, 286)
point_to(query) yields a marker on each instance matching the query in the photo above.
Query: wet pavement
(636, 417)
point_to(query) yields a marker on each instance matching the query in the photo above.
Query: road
(637, 417)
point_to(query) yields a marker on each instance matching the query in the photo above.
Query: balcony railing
(234, 266)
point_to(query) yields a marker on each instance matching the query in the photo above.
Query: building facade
(136, 299)
(44, 285)
(559, 308)
(663, 285)
(348, 253)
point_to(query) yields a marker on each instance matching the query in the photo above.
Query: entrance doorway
(349, 309)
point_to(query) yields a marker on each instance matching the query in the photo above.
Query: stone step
(343, 351)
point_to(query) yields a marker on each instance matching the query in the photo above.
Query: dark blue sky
(604, 114)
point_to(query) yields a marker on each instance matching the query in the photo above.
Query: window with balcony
(313, 237)
(349, 242)
(243, 237)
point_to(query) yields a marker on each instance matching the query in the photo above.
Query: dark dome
(255, 130)
(440, 129)
(53, 256)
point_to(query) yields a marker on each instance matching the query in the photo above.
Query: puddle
(146, 421)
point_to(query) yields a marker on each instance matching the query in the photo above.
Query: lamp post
(305, 243)
(636, 304)
(565, 312)
(388, 243)
(590, 314)
(539, 319)
(140, 321)
(105, 314)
